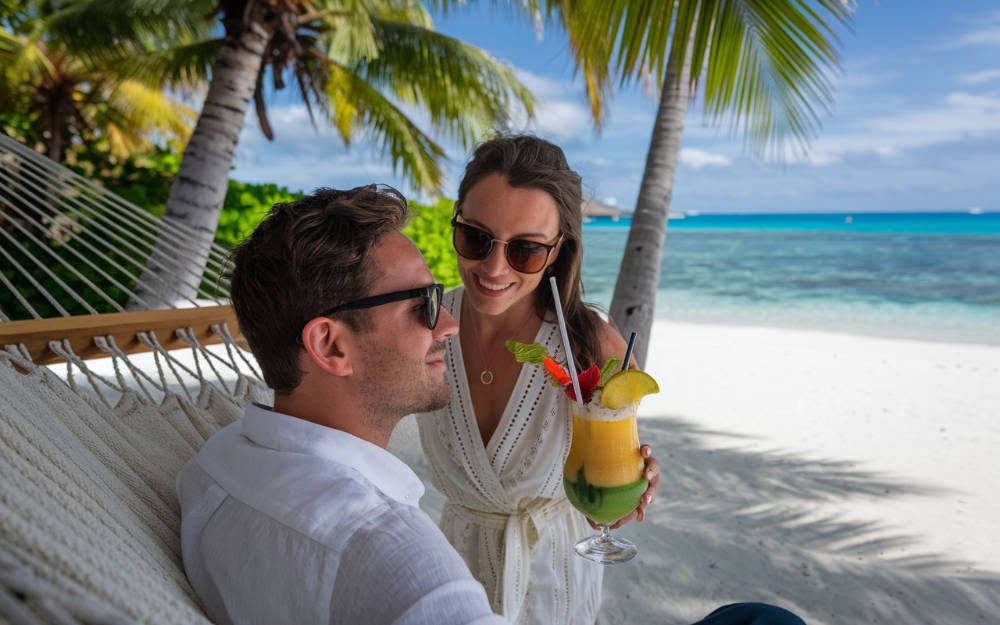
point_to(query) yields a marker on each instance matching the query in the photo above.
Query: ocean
(928, 276)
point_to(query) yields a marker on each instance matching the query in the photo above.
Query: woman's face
(492, 286)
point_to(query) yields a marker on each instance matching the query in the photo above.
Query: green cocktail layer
(604, 504)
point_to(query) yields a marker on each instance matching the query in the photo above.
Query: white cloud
(560, 114)
(960, 116)
(987, 34)
(560, 122)
(980, 77)
(699, 158)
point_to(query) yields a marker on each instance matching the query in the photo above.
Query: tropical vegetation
(364, 66)
(63, 98)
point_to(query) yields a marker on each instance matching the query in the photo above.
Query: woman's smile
(490, 288)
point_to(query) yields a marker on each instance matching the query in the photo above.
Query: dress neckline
(523, 377)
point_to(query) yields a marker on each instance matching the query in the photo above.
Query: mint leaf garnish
(534, 353)
(608, 370)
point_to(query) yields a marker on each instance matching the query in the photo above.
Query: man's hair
(307, 257)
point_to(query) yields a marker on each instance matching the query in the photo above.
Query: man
(298, 514)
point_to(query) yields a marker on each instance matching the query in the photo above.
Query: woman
(498, 450)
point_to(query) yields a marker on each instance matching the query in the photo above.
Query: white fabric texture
(91, 524)
(287, 521)
(506, 512)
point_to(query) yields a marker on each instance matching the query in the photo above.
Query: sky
(914, 124)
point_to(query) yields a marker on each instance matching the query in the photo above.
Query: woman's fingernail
(649, 499)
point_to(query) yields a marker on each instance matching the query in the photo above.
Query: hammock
(89, 449)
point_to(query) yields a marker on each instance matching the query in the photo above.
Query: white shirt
(287, 521)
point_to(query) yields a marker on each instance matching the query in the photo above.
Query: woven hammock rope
(89, 448)
(96, 231)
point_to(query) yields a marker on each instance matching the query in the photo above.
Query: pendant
(486, 377)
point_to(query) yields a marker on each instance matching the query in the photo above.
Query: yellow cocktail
(603, 473)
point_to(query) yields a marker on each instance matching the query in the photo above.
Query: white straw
(565, 338)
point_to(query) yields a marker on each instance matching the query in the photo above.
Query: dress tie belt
(521, 529)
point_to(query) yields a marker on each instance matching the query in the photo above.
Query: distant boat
(975, 210)
(848, 220)
(676, 215)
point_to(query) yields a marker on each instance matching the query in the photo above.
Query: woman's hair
(529, 162)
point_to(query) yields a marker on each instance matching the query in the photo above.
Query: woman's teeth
(493, 287)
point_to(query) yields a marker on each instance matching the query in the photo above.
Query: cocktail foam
(594, 410)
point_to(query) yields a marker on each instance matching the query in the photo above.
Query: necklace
(486, 375)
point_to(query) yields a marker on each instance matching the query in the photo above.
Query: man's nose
(446, 326)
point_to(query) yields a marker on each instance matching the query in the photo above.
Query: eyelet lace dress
(506, 513)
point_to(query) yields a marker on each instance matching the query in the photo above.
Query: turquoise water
(928, 276)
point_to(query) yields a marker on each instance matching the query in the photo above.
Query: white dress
(506, 513)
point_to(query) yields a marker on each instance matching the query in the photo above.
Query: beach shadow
(733, 524)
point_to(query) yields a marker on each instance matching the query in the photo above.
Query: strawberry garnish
(588, 381)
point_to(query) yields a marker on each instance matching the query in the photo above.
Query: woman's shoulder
(611, 341)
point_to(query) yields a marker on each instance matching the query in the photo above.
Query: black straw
(628, 352)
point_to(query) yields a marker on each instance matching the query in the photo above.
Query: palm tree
(764, 64)
(68, 98)
(358, 62)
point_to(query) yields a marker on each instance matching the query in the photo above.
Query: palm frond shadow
(744, 525)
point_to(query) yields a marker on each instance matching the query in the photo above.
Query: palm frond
(181, 66)
(151, 109)
(466, 91)
(101, 29)
(346, 36)
(768, 69)
(765, 64)
(402, 11)
(351, 101)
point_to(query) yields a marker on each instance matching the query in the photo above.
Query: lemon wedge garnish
(627, 387)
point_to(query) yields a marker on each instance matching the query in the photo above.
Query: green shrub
(245, 206)
(430, 229)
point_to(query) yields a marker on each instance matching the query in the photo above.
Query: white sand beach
(849, 478)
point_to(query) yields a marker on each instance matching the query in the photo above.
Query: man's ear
(329, 344)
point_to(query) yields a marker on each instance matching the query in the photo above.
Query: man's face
(401, 364)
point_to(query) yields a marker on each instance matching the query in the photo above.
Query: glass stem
(605, 534)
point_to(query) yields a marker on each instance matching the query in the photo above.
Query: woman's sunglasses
(522, 255)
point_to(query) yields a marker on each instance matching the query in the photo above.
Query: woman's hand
(652, 473)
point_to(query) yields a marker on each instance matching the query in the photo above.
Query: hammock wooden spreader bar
(80, 330)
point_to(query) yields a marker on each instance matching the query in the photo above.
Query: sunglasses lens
(525, 256)
(434, 306)
(472, 243)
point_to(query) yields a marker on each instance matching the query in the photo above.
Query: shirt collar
(268, 428)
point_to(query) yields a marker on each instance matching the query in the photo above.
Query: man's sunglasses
(432, 302)
(522, 255)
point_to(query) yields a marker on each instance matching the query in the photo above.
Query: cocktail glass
(603, 475)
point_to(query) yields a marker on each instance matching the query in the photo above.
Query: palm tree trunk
(198, 191)
(634, 300)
